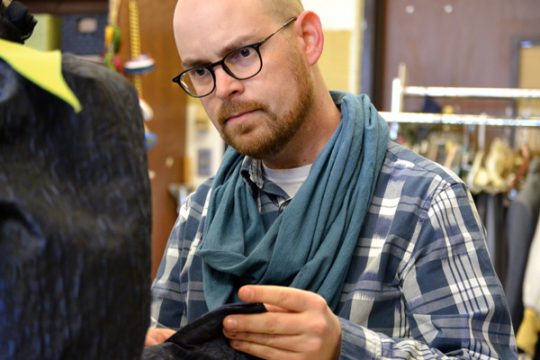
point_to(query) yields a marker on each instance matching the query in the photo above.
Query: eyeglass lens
(242, 64)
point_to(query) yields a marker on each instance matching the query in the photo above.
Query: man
(357, 247)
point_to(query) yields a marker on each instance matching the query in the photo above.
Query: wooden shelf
(60, 7)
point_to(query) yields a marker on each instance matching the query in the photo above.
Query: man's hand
(155, 336)
(298, 325)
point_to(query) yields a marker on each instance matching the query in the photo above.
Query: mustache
(230, 109)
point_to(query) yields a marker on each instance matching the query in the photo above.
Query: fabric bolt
(520, 226)
(75, 218)
(203, 339)
(237, 244)
(420, 284)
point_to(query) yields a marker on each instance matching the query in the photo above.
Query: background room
(458, 81)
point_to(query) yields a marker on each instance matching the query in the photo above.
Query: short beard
(281, 129)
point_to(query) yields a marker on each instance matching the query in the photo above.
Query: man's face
(257, 116)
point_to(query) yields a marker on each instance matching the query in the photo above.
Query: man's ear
(309, 25)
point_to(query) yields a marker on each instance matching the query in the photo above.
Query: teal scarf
(311, 243)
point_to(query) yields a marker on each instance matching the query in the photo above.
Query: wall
(529, 78)
(340, 62)
(456, 43)
(169, 105)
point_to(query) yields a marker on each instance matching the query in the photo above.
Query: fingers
(291, 299)
(263, 351)
(290, 310)
(274, 346)
(282, 342)
(298, 324)
(264, 323)
(156, 336)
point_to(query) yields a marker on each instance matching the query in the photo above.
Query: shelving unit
(400, 90)
(454, 119)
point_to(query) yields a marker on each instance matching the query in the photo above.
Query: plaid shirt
(420, 286)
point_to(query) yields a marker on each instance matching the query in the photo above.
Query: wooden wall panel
(168, 103)
(60, 7)
(455, 42)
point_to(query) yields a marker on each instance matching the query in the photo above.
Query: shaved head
(280, 9)
(283, 9)
(197, 14)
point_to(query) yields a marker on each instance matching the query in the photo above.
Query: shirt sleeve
(455, 305)
(168, 302)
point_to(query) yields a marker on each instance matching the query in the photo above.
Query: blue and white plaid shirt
(420, 286)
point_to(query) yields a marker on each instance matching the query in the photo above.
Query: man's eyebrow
(237, 43)
(187, 64)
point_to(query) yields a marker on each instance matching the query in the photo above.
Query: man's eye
(240, 56)
(245, 52)
(199, 72)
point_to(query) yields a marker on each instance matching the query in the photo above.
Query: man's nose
(226, 85)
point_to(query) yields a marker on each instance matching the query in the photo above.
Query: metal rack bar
(499, 93)
(454, 119)
(400, 90)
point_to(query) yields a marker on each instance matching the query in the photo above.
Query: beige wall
(336, 61)
(342, 24)
(529, 78)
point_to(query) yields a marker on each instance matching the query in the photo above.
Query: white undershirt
(289, 180)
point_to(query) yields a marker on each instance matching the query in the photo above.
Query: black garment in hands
(203, 339)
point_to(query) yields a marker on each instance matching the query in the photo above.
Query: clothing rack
(400, 89)
(454, 119)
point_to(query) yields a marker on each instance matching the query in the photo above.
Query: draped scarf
(311, 243)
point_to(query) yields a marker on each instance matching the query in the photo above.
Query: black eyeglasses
(242, 64)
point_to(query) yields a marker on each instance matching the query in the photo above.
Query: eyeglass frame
(210, 67)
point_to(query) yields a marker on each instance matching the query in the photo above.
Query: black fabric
(493, 210)
(16, 23)
(75, 219)
(203, 339)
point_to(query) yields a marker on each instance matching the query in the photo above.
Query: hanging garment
(529, 330)
(75, 217)
(203, 339)
(521, 222)
(492, 210)
(531, 285)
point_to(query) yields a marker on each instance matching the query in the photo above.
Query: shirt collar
(252, 171)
